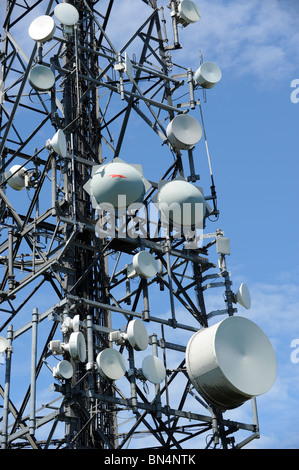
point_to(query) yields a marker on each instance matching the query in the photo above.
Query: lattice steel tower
(102, 289)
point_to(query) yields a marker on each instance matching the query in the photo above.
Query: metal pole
(90, 356)
(54, 183)
(157, 386)
(227, 282)
(7, 387)
(32, 422)
(174, 24)
(167, 246)
(191, 88)
(193, 177)
(132, 379)
(145, 300)
(255, 416)
(11, 276)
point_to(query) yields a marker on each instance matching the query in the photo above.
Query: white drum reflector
(117, 184)
(189, 11)
(77, 347)
(184, 131)
(16, 175)
(145, 264)
(3, 344)
(243, 296)
(231, 362)
(182, 203)
(75, 323)
(137, 335)
(72, 324)
(207, 75)
(153, 369)
(58, 143)
(64, 370)
(42, 28)
(67, 14)
(41, 78)
(111, 364)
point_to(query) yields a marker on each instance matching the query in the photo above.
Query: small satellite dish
(243, 296)
(41, 78)
(111, 364)
(189, 11)
(64, 370)
(184, 131)
(207, 75)
(153, 369)
(42, 28)
(181, 203)
(231, 362)
(144, 265)
(67, 14)
(3, 344)
(77, 346)
(137, 335)
(58, 143)
(16, 175)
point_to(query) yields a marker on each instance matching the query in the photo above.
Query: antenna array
(106, 245)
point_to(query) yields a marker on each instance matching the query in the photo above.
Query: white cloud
(248, 37)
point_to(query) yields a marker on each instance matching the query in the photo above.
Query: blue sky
(252, 129)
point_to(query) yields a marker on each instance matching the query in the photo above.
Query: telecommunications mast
(107, 242)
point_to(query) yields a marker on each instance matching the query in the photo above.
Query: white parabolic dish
(41, 78)
(145, 264)
(111, 364)
(66, 13)
(189, 11)
(184, 131)
(77, 346)
(58, 143)
(207, 75)
(64, 370)
(3, 344)
(117, 184)
(16, 175)
(42, 28)
(182, 203)
(231, 362)
(153, 369)
(137, 335)
(243, 296)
